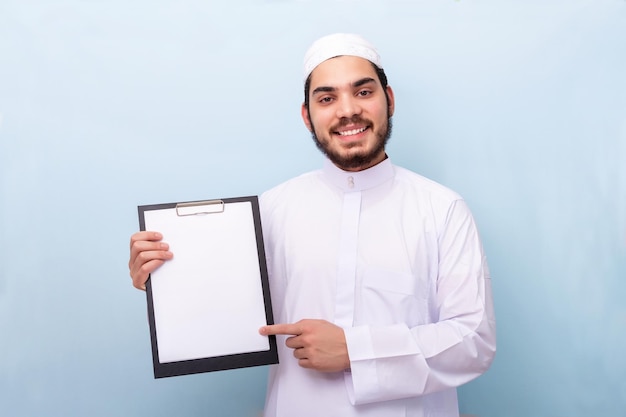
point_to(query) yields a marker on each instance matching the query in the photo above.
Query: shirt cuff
(362, 379)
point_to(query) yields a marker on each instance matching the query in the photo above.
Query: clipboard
(205, 305)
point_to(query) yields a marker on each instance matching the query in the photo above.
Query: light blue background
(106, 105)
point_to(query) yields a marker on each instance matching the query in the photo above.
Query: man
(378, 278)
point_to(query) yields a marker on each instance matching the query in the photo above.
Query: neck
(369, 164)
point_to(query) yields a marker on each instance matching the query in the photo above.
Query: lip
(345, 135)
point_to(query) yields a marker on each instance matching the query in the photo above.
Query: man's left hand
(317, 344)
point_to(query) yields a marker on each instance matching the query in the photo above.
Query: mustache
(345, 121)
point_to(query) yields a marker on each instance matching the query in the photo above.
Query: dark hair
(382, 77)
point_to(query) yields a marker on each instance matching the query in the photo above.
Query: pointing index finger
(274, 329)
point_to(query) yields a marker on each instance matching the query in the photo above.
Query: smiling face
(349, 113)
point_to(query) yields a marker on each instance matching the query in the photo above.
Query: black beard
(357, 160)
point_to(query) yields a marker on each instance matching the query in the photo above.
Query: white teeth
(351, 132)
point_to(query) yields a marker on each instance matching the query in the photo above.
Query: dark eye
(364, 93)
(325, 100)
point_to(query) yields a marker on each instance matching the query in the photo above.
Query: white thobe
(395, 260)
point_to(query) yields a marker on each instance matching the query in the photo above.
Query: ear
(392, 101)
(305, 117)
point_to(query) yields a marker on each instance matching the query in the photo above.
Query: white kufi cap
(336, 45)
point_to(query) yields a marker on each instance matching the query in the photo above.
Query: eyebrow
(356, 84)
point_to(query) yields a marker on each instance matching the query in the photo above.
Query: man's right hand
(147, 253)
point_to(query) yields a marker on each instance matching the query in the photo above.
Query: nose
(348, 106)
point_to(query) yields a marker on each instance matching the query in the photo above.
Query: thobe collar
(349, 181)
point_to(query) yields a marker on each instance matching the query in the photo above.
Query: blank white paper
(208, 300)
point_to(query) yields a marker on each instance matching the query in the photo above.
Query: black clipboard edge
(216, 363)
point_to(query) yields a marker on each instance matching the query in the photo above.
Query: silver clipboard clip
(199, 208)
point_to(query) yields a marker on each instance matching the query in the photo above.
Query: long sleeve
(458, 344)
